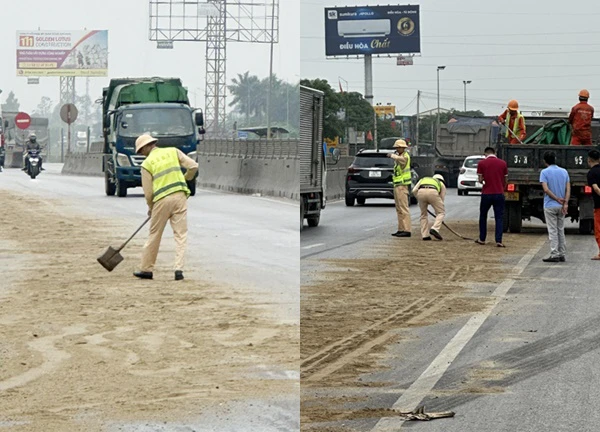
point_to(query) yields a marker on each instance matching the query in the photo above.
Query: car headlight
(123, 160)
(193, 155)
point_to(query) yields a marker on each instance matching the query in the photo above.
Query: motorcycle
(33, 164)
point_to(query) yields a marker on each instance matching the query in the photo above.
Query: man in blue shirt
(557, 191)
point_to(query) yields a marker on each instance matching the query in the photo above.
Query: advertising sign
(372, 30)
(386, 112)
(62, 53)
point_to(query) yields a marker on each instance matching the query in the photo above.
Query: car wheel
(465, 192)
(460, 192)
(349, 200)
(360, 201)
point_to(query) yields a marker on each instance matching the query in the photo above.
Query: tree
(44, 108)
(333, 126)
(12, 103)
(359, 111)
(249, 97)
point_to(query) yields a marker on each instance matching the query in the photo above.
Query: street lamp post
(439, 68)
(465, 83)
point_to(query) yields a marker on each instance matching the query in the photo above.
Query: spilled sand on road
(368, 302)
(81, 346)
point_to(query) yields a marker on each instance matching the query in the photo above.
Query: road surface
(84, 349)
(502, 339)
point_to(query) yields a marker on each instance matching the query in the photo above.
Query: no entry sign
(22, 120)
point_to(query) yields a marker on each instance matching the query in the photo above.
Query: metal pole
(465, 107)
(418, 115)
(439, 68)
(270, 72)
(62, 145)
(369, 92)
(88, 139)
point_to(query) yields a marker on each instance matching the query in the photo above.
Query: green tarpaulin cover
(557, 132)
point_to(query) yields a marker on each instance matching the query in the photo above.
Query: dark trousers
(487, 201)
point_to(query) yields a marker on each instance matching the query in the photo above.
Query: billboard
(372, 30)
(385, 112)
(62, 53)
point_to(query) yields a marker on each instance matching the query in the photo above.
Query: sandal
(479, 242)
(596, 258)
(500, 245)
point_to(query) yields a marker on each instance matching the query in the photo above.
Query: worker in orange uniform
(580, 120)
(514, 121)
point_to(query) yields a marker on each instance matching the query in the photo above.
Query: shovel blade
(110, 259)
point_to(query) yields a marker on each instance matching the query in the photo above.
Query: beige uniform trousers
(430, 197)
(402, 211)
(171, 208)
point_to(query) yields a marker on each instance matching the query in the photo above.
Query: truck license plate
(511, 196)
(374, 173)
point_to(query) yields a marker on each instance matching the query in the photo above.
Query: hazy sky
(541, 53)
(131, 53)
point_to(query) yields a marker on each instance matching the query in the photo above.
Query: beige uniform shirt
(185, 161)
(442, 190)
(400, 159)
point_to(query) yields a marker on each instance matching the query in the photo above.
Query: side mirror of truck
(336, 155)
(201, 131)
(199, 119)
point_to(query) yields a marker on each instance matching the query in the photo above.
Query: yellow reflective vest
(430, 181)
(167, 177)
(402, 176)
(516, 128)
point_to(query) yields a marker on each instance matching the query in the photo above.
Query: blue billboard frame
(374, 30)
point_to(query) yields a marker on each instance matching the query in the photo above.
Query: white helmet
(440, 178)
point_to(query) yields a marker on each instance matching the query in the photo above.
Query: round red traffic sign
(22, 120)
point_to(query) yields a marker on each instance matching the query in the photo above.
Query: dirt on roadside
(81, 346)
(358, 307)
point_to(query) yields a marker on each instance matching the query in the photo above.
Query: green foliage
(12, 103)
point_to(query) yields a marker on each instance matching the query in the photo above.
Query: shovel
(451, 230)
(512, 133)
(112, 257)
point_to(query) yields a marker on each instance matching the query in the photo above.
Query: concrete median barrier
(336, 178)
(268, 177)
(83, 164)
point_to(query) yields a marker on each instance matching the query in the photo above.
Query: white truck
(313, 165)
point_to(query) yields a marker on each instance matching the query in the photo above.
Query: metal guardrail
(254, 149)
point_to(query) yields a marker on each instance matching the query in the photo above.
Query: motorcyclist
(31, 144)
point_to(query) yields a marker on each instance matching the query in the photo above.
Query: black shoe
(397, 233)
(178, 275)
(42, 169)
(143, 275)
(402, 234)
(551, 259)
(562, 259)
(436, 234)
(427, 238)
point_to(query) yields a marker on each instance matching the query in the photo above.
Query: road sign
(68, 113)
(404, 61)
(22, 120)
(167, 44)
(242, 135)
(33, 80)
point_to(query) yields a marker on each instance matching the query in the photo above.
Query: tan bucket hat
(400, 143)
(144, 140)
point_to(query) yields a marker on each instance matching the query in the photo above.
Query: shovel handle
(133, 235)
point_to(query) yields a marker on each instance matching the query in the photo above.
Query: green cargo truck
(135, 106)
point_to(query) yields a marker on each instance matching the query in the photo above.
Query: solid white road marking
(313, 246)
(413, 396)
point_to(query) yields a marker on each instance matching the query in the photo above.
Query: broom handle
(133, 235)
(449, 229)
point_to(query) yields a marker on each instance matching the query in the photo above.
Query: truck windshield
(156, 121)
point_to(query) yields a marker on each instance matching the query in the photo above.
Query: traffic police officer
(402, 180)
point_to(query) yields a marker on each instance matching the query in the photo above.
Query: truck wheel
(192, 187)
(586, 226)
(349, 200)
(121, 189)
(109, 187)
(515, 222)
(360, 201)
(313, 221)
(505, 219)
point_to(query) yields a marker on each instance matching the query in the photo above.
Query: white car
(467, 178)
